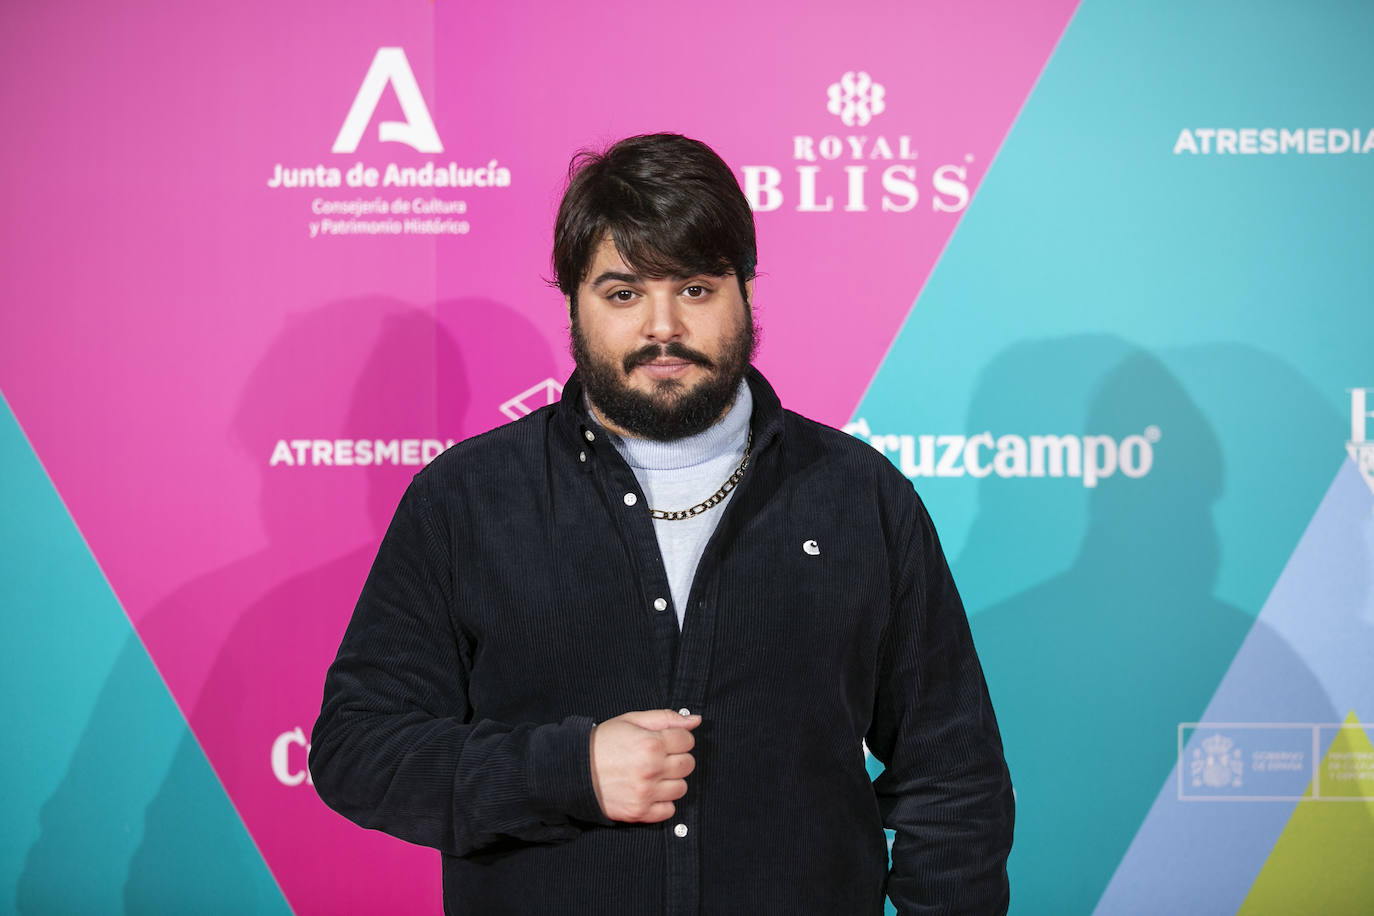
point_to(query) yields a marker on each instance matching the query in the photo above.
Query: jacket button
(660, 604)
(680, 830)
(631, 499)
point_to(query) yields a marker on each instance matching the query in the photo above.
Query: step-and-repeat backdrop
(1096, 276)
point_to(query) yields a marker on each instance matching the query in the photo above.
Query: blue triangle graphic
(1306, 660)
(112, 806)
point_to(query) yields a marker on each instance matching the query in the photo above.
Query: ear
(567, 304)
(749, 293)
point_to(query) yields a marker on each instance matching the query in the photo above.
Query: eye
(696, 291)
(622, 295)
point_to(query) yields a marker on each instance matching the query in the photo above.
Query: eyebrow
(615, 276)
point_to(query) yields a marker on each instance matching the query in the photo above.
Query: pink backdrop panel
(529, 88)
(178, 317)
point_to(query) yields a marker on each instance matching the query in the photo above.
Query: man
(621, 655)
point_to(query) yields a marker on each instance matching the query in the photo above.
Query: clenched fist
(640, 762)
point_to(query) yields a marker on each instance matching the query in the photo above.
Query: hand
(640, 763)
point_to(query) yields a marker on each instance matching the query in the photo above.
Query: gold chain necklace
(716, 498)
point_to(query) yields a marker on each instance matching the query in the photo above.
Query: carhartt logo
(811, 548)
(856, 99)
(1360, 449)
(390, 67)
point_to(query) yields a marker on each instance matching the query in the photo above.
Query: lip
(666, 368)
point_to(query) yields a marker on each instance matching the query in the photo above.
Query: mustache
(675, 350)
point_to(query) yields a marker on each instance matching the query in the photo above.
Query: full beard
(671, 411)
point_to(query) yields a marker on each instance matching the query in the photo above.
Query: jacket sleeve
(945, 788)
(396, 746)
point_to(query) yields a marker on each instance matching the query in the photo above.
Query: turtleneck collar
(727, 435)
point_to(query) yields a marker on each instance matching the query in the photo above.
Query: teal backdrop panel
(1189, 326)
(111, 806)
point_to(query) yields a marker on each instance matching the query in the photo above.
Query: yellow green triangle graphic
(1323, 861)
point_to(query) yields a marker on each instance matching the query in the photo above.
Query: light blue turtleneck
(678, 475)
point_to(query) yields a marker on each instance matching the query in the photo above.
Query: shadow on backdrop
(1092, 669)
(364, 368)
(91, 827)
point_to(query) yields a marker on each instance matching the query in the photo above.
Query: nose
(663, 320)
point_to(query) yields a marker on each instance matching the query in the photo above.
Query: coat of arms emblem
(1217, 763)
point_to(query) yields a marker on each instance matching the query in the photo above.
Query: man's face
(660, 358)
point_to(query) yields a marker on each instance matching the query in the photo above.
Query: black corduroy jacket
(512, 605)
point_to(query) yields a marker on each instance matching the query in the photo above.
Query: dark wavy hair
(670, 204)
